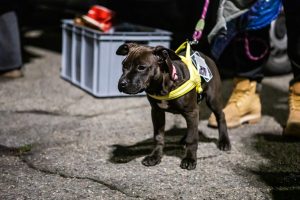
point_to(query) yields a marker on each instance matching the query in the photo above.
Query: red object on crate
(100, 16)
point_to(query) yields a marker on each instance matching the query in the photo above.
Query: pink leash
(196, 36)
(248, 52)
(200, 24)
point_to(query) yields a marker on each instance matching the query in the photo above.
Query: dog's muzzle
(129, 88)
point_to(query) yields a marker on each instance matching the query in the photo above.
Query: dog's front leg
(189, 161)
(158, 120)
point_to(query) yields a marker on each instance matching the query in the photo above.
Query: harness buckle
(194, 42)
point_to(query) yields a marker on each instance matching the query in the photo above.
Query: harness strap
(194, 81)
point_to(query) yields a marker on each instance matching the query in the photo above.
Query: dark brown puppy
(148, 69)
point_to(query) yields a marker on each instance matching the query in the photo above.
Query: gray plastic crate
(89, 57)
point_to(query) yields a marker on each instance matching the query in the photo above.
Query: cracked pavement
(58, 142)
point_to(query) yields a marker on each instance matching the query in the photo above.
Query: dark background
(176, 16)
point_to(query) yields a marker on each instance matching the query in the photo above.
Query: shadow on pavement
(14, 151)
(282, 173)
(173, 146)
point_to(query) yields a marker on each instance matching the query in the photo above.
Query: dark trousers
(234, 56)
(292, 13)
(235, 59)
(10, 48)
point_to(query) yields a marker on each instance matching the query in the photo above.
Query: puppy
(151, 69)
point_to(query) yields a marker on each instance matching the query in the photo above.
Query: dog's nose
(123, 83)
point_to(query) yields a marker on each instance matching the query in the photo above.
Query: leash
(194, 80)
(200, 25)
(248, 51)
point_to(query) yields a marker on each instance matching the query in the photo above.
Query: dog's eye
(141, 67)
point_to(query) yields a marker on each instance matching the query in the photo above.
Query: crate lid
(121, 29)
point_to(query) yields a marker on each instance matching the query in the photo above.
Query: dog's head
(144, 67)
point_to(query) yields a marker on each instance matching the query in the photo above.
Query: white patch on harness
(201, 66)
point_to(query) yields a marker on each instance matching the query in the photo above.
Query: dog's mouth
(133, 89)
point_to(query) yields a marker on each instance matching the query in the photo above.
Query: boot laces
(294, 101)
(238, 96)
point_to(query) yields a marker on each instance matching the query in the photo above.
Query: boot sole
(247, 119)
(250, 119)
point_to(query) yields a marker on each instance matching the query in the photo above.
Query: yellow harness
(193, 82)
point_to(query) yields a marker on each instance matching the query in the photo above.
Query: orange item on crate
(99, 17)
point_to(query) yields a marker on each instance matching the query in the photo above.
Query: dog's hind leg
(158, 119)
(214, 102)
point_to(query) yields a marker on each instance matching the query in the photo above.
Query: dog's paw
(151, 160)
(224, 145)
(188, 163)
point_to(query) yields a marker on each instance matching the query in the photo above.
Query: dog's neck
(163, 83)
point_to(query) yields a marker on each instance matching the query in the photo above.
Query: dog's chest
(163, 104)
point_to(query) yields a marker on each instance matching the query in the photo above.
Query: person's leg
(291, 9)
(246, 60)
(10, 48)
(251, 53)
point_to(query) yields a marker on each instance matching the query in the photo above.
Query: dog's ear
(166, 85)
(166, 56)
(124, 49)
(164, 53)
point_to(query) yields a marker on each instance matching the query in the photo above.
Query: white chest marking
(163, 104)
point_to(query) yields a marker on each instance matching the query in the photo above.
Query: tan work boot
(243, 105)
(293, 122)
